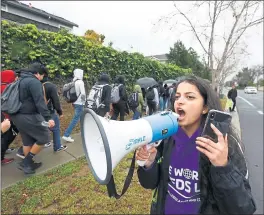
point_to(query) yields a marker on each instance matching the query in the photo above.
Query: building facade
(21, 13)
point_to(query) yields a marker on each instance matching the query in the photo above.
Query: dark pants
(234, 104)
(101, 112)
(7, 138)
(152, 107)
(119, 108)
(31, 129)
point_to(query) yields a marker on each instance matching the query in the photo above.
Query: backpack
(94, 98)
(45, 97)
(69, 92)
(133, 101)
(115, 97)
(150, 95)
(10, 101)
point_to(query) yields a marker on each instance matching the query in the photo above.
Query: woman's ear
(205, 110)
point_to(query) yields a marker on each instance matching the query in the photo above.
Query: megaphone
(106, 142)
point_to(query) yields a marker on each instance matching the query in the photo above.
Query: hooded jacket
(224, 190)
(122, 89)
(32, 96)
(79, 86)
(137, 89)
(106, 94)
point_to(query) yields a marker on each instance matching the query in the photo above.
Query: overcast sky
(130, 24)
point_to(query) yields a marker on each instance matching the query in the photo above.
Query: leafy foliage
(62, 52)
(94, 37)
(188, 58)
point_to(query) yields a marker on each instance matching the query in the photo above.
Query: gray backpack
(115, 97)
(10, 101)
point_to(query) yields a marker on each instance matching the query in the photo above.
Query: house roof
(159, 57)
(40, 12)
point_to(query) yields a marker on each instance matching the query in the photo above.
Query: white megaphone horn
(106, 142)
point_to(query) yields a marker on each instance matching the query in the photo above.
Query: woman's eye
(190, 97)
(177, 97)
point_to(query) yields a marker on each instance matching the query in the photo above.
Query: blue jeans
(161, 104)
(136, 114)
(78, 109)
(56, 132)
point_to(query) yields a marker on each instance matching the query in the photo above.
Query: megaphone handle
(142, 163)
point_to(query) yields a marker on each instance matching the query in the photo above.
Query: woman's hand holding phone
(217, 153)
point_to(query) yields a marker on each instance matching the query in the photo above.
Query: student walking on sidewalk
(51, 98)
(78, 104)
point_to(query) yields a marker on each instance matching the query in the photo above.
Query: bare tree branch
(191, 25)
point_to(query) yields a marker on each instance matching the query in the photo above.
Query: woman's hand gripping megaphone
(146, 154)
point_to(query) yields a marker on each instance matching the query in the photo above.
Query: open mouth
(181, 113)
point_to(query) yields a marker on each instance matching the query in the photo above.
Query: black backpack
(69, 92)
(10, 101)
(150, 95)
(133, 102)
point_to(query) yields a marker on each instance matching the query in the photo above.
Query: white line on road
(260, 112)
(246, 101)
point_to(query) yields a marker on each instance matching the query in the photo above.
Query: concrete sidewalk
(11, 174)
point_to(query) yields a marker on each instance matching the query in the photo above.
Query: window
(3, 7)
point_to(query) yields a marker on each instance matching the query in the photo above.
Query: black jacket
(52, 97)
(232, 94)
(31, 96)
(122, 89)
(106, 94)
(224, 190)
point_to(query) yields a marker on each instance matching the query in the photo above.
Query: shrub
(62, 52)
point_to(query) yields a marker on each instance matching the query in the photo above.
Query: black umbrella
(146, 82)
(170, 82)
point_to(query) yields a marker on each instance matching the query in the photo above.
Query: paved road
(250, 108)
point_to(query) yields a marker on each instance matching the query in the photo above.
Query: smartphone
(221, 120)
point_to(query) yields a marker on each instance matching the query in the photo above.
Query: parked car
(251, 90)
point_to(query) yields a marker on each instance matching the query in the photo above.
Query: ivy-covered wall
(62, 52)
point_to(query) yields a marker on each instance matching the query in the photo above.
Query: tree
(187, 58)
(94, 37)
(243, 15)
(249, 76)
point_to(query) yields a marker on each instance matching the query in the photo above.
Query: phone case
(221, 120)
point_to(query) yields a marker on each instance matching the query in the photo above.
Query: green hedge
(62, 52)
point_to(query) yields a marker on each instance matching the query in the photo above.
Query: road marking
(246, 101)
(260, 112)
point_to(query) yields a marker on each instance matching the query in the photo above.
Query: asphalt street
(250, 109)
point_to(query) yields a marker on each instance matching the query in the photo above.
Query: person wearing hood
(8, 129)
(31, 115)
(139, 110)
(104, 80)
(121, 106)
(78, 104)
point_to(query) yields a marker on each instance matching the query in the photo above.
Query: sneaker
(62, 148)
(68, 139)
(8, 151)
(7, 160)
(20, 153)
(47, 145)
(35, 165)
